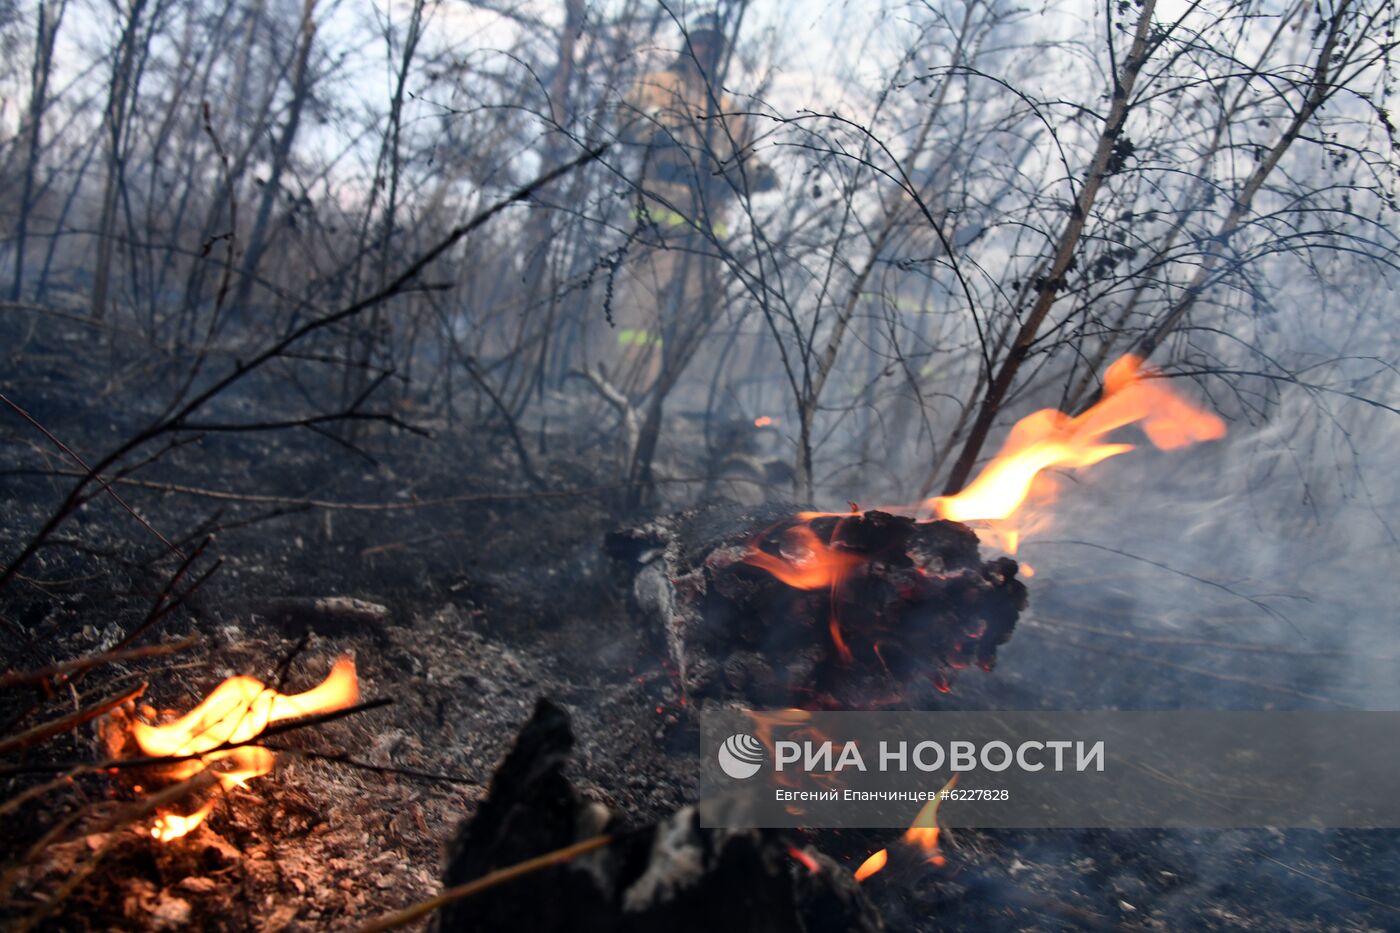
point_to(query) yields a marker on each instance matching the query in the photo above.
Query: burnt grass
(496, 593)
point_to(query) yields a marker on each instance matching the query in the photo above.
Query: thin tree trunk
(50, 17)
(893, 211)
(1064, 254)
(227, 195)
(281, 153)
(61, 222)
(1317, 94)
(540, 233)
(116, 129)
(807, 407)
(357, 379)
(1083, 394)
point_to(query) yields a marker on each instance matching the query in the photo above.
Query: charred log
(673, 875)
(325, 615)
(913, 603)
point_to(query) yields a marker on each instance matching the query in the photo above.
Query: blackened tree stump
(909, 604)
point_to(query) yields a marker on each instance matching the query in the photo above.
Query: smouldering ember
(857, 610)
(237, 711)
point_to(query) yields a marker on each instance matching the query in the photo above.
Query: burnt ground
(496, 594)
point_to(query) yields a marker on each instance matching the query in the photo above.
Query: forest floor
(495, 596)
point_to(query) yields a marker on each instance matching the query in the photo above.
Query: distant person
(694, 162)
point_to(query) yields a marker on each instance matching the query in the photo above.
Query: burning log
(673, 875)
(852, 610)
(855, 610)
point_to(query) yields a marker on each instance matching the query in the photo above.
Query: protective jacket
(696, 153)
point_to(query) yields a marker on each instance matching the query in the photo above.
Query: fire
(815, 555)
(173, 826)
(873, 864)
(1048, 438)
(763, 421)
(809, 564)
(237, 711)
(806, 563)
(921, 836)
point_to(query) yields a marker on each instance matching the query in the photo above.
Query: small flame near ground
(238, 710)
(877, 861)
(921, 837)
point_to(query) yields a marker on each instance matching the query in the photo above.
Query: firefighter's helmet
(706, 26)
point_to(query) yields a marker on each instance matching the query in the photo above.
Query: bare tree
(50, 18)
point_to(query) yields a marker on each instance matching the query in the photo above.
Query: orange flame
(173, 826)
(811, 565)
(763, 421)
(922, 835)
(238, 710)
(1046, 439)
(873, 864)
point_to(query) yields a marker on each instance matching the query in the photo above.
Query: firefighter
(694, 161)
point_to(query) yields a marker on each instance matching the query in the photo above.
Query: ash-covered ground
(498, 593)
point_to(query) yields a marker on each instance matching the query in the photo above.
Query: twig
(520, 452)
(275, 729)
(67, 723)
(408, 506)
(164, 605)
(340, 758)
(1204, 672)
(1054, 624)
(320, 719)
(485, 882)
(331, 505)
(1225, 588)
(73, 455)
(25, 678)
(165, 797)
(1319, 879)
(39, 790)
(631, 426)
(424, 539)
(285, 665)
